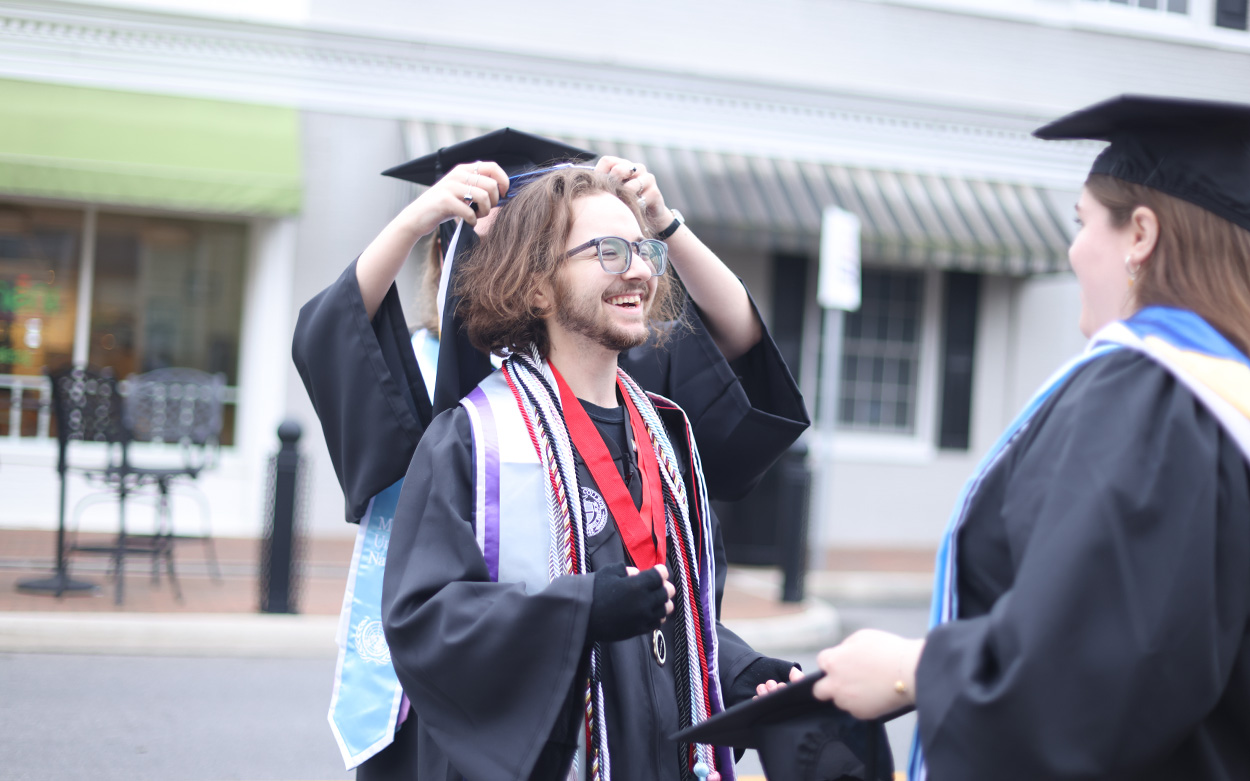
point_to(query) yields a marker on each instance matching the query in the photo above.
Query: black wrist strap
(670, 230)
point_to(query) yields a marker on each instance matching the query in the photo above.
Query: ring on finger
(468, 196)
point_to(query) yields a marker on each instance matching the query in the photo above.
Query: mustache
(626, 289)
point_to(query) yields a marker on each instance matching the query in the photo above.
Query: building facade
(178, 176)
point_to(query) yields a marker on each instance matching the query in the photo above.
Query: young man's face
(608, 310)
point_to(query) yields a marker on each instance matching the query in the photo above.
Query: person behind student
(550, 523)
(1091, 616)
(373, 393)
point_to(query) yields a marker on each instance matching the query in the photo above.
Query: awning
(111, 147)
(908, 217)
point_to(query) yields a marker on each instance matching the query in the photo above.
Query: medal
(658, 649)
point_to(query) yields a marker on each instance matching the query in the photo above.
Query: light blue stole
(1180, 341)
(367, 704)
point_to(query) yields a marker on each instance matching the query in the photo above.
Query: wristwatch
(677, 222)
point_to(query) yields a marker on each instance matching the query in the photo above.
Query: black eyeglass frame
(635, 248)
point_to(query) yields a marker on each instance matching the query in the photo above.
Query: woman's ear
(1144, 224)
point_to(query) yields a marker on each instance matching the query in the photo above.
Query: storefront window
(168, 292)
(39, 255)
(165, 292)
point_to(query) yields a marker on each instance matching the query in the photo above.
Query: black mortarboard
(514, 151)
(1195, 150)
(800, 738)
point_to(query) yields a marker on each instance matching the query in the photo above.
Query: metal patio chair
(183, 407)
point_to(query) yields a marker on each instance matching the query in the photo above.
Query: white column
(265, 337)
(86, 281)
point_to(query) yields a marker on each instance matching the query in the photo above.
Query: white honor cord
(445, 276)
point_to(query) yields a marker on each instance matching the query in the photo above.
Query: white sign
(838, 286)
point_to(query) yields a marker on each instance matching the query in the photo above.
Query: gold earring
(1131, 269)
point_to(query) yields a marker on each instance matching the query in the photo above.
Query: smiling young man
(553, 577)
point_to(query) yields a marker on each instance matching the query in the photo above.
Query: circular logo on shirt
(594, 511)
(371, 643)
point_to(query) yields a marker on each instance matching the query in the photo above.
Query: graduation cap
(800, 738)
(514, 151)
(522, 156)
(1195, 150)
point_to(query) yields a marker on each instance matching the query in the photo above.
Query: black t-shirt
(614, 428)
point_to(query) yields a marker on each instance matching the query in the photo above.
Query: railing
(34, 392)
(28, 392)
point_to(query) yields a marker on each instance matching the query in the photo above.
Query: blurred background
(177, 177)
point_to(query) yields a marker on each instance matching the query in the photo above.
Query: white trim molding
(369, 75)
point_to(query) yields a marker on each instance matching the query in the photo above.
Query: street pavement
(206, 689)
(154, 718)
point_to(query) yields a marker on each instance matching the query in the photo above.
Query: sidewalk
(219, 617)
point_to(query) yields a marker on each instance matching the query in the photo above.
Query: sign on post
(838, 292)
(838, 285)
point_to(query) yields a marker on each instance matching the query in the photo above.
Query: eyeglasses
(615, 255)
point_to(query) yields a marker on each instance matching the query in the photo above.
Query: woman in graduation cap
(375, 394)
(1092, 600)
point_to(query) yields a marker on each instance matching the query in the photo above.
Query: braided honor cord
(696, 620)
(532, 385)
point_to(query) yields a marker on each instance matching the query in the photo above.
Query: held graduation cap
(1195, 150)
(800, 738)
(462, 367)
(514, 151)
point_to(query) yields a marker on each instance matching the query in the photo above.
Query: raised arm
(482, 182)
(727, 312)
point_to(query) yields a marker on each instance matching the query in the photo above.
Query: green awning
(108, 147)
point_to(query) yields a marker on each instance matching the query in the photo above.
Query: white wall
(346, 203)
(1031, 56)
(1026, 329)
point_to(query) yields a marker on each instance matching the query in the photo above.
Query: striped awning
(908, 217)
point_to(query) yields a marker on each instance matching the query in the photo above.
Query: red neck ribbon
(644, 531)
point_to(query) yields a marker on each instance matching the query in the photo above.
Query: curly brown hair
(524, 251)
(1201, 262)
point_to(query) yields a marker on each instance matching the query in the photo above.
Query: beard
(585, 316)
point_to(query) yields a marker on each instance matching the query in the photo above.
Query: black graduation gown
(372, 402)
(494, 673)
(1104, 585)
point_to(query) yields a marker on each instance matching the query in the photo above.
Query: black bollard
(279, 563)
(794, 489)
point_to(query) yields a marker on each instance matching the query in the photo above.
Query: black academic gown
(1104, 586)
(495, 674)
(373, 405)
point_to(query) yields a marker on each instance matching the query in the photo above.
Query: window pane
(39, 251)
(881, 350)
(1178, 6)
(168, 293)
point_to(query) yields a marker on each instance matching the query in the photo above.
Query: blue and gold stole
(1201, 359)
